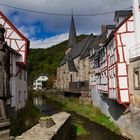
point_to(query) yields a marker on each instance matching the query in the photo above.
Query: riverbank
(26, 118)
(86, 110)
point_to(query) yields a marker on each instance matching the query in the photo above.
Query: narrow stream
(95, 131)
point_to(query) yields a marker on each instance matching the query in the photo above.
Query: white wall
(18, 85)
(37, 84)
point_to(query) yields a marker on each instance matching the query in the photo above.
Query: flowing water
(95, 131)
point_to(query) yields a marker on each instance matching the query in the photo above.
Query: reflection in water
(37, 101)
(97, 132)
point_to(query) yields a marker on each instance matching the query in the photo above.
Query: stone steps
(5, 130)
(4, 124)
(10, 138)
(5, 134)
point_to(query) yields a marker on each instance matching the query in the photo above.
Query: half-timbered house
(115, 72)
(18, 65)
(74, 70)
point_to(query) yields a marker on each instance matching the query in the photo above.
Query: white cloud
(28, 31)
(24, 21)
(48, 42)
(23, 30)
(61, 24)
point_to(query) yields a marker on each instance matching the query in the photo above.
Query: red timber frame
(120, 59)
(14, 38)
(118, 34)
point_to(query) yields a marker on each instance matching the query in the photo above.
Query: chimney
(136, 15)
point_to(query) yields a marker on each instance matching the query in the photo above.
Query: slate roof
(71, 66)
(93, 41)
(41, 74)
(72, 34)
(75, 51)
(80, 49)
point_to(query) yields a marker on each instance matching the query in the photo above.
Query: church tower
(72, 36)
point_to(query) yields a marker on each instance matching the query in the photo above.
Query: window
(39, 86)
(136, 78)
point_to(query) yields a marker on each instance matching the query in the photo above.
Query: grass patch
(85, 110)
(80, 130)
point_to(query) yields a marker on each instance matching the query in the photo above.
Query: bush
(26, 118)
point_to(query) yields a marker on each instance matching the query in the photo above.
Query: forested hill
(47, 60)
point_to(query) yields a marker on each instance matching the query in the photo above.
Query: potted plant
(46, 122)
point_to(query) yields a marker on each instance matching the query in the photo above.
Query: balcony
(76, 89)
(79, 86)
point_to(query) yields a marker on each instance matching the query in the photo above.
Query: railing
(79, 86)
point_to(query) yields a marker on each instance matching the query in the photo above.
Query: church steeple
(72, 34)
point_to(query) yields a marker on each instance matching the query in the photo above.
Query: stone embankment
(59, 131)
(5, 130)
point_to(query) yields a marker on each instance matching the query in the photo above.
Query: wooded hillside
(47, 60)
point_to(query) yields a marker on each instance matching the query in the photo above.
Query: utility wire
(59, 14)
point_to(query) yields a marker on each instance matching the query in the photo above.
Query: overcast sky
(47, 30)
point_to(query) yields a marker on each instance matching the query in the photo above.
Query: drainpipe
(136, 15)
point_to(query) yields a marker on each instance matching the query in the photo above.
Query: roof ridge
(87, 44)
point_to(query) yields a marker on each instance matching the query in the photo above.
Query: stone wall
(59, 131)
(127, 119)
(135, 93)
(134, 97)
(82, 74)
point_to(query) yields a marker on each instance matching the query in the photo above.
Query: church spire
(72, 33)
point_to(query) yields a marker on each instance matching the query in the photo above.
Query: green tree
(47, 60)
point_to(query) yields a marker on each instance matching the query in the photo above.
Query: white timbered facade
(115, 72)
(109, 71)
(18, 64)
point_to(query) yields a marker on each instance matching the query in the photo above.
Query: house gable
(15, 39)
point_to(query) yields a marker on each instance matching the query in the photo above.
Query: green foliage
(88, 111)
(49, 83)
(45, 118)
(80, 130)
(47, 60)
(26, 118)
(44, 84)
